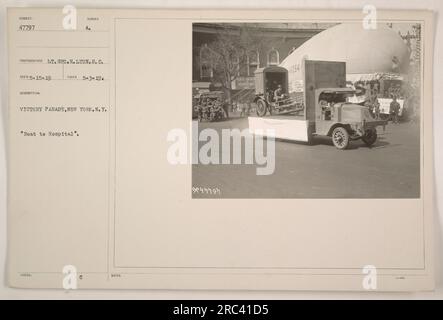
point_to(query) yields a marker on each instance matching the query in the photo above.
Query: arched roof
(364, 51)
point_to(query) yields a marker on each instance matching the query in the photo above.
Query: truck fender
(335, 125)
(256, 98)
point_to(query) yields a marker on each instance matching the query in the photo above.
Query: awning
(355, 77)
(201, 85)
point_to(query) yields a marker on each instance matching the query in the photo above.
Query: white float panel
(282, 127)
(385, 104)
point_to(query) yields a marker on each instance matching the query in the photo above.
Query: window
(235, 63)
(273, 57)
(205, 71)
(205, 62)
(253, 61)
(243, 67)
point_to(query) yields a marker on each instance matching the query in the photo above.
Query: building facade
(277, 41)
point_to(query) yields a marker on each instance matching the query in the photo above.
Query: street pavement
(389, 169)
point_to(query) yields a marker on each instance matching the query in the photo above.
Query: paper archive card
(283, 150)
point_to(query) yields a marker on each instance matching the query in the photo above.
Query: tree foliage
(229, 51)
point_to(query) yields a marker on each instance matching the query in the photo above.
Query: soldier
(218, 111)
(369, 104)
(278, 93)
(376, 108)
(209, 109)
(201, 110)
(394, 109)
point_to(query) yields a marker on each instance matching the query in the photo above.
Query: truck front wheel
(370, 137)
(261, 108)
(340, 138)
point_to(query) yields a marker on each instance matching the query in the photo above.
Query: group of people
(373, 105)
(210, 109)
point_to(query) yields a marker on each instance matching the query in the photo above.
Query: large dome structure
(366, 51)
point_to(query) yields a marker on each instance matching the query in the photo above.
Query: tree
(229, 51)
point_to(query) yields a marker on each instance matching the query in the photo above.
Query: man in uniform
(278, 93)
(394, 109)
(376, 108)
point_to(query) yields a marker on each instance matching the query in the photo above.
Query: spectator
(394, 109)
(376, 108)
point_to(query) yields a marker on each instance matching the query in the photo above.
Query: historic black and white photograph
(306, 110)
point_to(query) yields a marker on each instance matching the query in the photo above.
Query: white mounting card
(131, 163)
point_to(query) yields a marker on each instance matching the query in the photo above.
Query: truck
(323, 111)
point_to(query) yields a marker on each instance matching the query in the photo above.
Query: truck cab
(341, 120)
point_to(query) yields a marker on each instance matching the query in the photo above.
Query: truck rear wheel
(370, 137)
(340, 138)
(261, 108)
